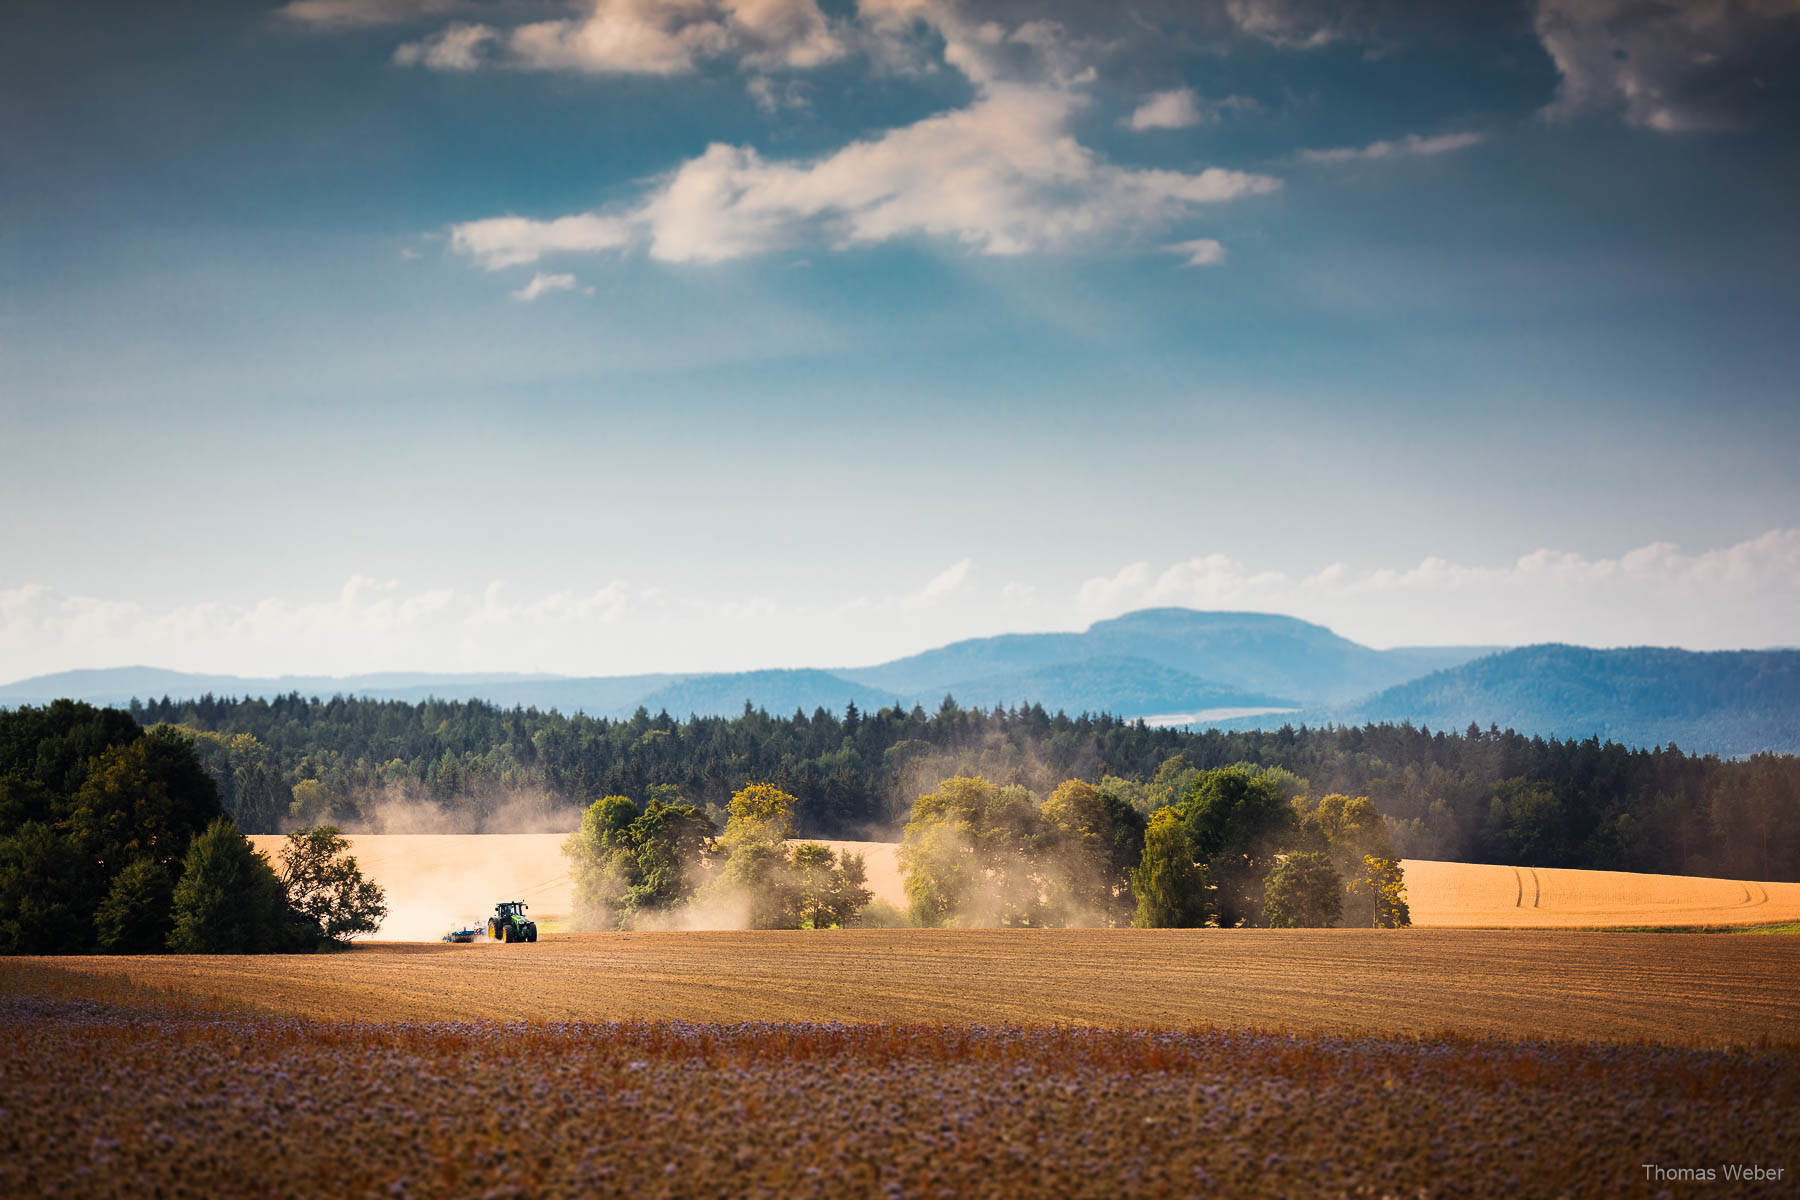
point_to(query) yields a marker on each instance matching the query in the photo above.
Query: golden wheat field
(1678, 988)
(437, 880)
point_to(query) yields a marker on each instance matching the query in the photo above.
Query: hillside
(1152, 663)
(1125, 686)
(1143, 664)
(1722, 702)
(1260, 654)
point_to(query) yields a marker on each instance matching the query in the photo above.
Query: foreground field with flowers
(111, 1089)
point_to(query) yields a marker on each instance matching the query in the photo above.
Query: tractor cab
(510, 924)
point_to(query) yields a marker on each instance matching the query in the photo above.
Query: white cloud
(941, 586)
(369, 624)
(1672, 67)
(639, 37)
(350, 14)
(1735, 596)
(774, 96)
(541, 284)
(1410, 146)
(455, 48)
(1002, 176)
(497, 242)
(774, 34)
(1743, 595)
(1019, 594)
(642, 37)
(606, 605)
(1294, 24)
(1200, 252)
(1177, 109)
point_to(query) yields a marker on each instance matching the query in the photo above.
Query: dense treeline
(1488, 796)
(112, 838)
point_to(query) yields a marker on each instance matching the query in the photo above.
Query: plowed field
(1684, 988)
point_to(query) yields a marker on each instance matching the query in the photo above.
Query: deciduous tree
(1303, 891)
(229, 899)
(1170, 887)
(324, 884)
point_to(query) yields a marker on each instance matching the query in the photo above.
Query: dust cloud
(439, 881)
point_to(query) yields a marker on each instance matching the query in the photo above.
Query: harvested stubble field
(1684, 988)
(112, 1090)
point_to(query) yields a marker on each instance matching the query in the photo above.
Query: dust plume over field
(1698, 988)
(436, 880)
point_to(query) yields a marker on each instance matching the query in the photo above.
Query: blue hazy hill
(1729, 702)
(1150, 663)
(1257, 654)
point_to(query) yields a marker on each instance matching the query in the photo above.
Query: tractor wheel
(506, 933)
(532, 936)
(493, 931)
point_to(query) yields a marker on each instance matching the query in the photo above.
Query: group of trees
(984, 854)
(1240, 847)
(113, 839)
(1236, 847)
(1479, 795)
(635, 866)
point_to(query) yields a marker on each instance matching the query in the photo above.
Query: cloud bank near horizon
(1739, 596)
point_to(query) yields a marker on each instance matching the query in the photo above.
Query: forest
(1476, 795)
(112, 838)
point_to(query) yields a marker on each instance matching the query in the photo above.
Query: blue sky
(685, 334)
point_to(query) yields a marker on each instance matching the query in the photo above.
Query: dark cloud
(1707, 64)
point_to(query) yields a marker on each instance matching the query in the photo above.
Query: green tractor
(510, 924)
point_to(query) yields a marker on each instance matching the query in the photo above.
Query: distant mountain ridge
(1728, 702)
(1258, 654)
(1145, 664)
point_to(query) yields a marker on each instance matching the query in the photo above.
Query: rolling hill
(1257, 654)
(1729, 702)
(1147, 664)
(1143, 664)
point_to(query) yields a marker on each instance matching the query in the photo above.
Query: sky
(642, 335)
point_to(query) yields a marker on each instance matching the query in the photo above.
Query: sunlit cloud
(1745, 595)
(1410, 146)
(1200, 252)
(542, 284)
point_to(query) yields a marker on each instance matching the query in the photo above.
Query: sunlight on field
(1674, 987)
(1444, 893)
(437, 880)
